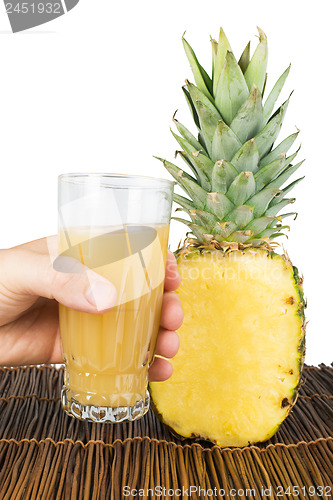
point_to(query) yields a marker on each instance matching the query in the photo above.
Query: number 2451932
(33, 8)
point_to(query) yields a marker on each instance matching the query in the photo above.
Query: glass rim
(156, 182)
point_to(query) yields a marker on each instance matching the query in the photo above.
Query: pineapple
(237, 373)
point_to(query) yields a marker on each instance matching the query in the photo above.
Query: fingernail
(101, 295)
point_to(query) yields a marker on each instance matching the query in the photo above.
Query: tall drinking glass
(118, 226)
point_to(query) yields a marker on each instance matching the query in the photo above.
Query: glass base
(103, 414)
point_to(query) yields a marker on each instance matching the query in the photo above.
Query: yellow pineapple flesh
(238, 369)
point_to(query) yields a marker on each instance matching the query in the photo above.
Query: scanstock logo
(24, 15)
(130, 257)
(94, 238)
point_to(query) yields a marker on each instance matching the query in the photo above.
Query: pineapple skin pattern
(236, 376)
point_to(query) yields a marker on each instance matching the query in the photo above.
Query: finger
(172, 276)
(31, 272)
(167, 343)
(172, 312)
(160, 370)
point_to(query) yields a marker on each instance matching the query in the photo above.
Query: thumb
(78, 287)
(31, 271)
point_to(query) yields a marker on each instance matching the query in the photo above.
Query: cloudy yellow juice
(107, 355)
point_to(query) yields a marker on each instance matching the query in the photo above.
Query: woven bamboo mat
(44, 454)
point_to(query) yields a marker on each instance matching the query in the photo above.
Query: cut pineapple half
(237, 372)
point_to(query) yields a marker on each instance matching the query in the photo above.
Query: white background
(95, 91)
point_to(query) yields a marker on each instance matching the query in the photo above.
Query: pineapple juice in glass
(117, 226)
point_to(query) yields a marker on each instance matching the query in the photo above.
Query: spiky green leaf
(208, 124)
(223, 175)
(204, 219)
(232, 91)
(267, 233)
(225, 143)
(289, 214)
(283, 147)
(240, 236)
(279, 181)
(207, 113)
(260, 201)
(265, 82)
(291, 158)
(202, 164)
(218, 204)
(265, 175)
(256, 70)
(214, 54)
(247, 122)
(247, 157)
(224, 229)
(199, 232)
(242, 215)
(245, 58)
(258, 225)
(256, 242)
(196, 192)
(177, 172)
(273, 96)
(242, 188)
(191, 166)
(272, 232)
(201, 78)
(275, 209)
(183, 202)
(191, 106)
(222, 48)
(286, 190)
(187, 134)
(268, 135)
(197, 95)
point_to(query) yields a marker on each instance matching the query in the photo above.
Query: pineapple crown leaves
(236, 187)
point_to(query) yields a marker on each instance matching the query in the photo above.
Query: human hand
(30, 290)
